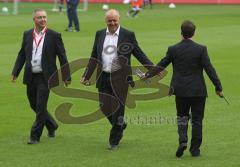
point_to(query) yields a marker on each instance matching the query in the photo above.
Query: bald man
(111, 54)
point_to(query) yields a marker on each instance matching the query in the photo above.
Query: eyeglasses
(41, 17)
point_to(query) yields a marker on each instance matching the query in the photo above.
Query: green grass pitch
(145, 143)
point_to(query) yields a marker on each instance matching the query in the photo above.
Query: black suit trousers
(112, 97)
(38, 93)
(197, 105)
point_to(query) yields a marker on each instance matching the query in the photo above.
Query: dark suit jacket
(52, 47)
(127, 45)
(188, 59)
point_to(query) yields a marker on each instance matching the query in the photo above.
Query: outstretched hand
(66, 83)
(13, 79)
(220, 93)
(85, 81)
(162, 74)
(143, 77)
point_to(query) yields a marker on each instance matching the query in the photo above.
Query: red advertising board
(154, 1)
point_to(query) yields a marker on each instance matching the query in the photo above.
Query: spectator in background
(136, 7)
(147, 2)
(60, 5)
(72, 15)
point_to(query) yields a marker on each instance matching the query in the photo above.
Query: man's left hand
(66, 83)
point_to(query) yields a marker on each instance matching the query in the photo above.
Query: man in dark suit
(111, 54)
(189, 59)
(38, 52)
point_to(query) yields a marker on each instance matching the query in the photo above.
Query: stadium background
(151, 137)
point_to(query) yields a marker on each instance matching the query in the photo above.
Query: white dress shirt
(38, 39)
(109, 53)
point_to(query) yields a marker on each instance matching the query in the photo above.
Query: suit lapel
(45, 43)
(101, 42)
(29, 43)
(120, 37)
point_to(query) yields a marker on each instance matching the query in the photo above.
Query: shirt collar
(41, 32)
(187, 38)
(116, 33)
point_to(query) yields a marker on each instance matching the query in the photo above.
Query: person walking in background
(72, 15)
(136, 8)
(147, 2)
(38, 52)
(60, 5)
(112, 62)
(189, 59)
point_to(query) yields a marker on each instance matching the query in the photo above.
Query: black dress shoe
(124, 126)
(180, 151)
(195, 153)
(32, 141)
(68, 29)
(113, 147)
(51, 134)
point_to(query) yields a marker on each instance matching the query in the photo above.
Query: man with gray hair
(40, 46)
(111, 54)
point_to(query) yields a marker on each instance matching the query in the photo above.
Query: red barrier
(154, 1)
(199, 1)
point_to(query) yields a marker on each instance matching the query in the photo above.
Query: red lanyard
(35, 40)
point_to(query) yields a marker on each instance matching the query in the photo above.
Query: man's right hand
(143, 77)
(13, 79)
(220, 93)
(66, 83)
(162, 74)
(85, 82)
